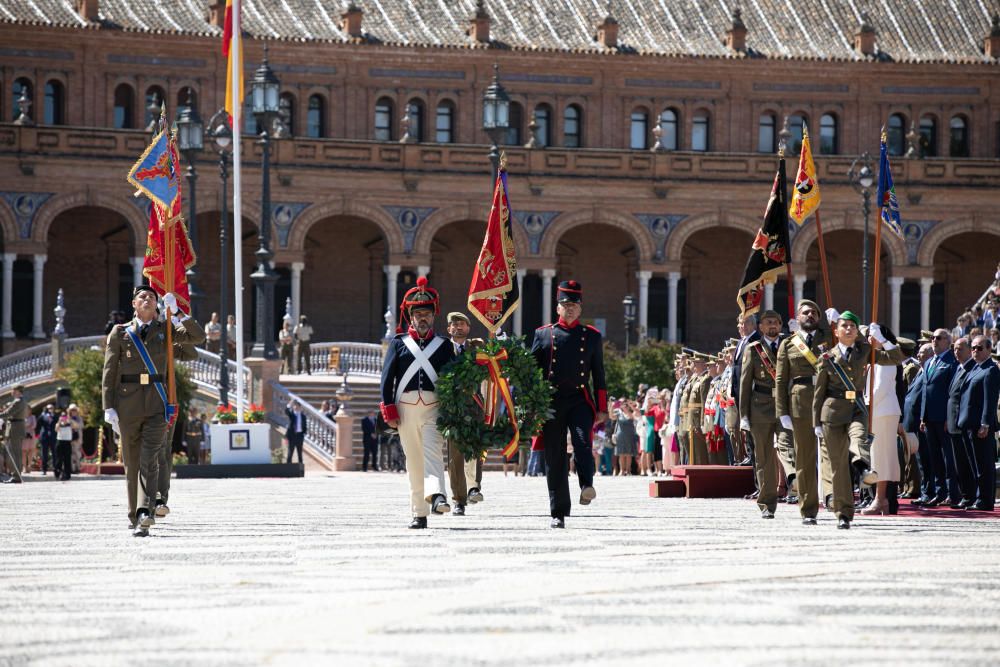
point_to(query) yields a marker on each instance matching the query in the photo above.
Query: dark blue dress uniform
(572, 360)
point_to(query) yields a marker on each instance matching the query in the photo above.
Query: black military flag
(770, 249)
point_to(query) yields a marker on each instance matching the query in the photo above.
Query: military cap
(851, 317)
(570, 291)
(458, 315)
(908, 345)
(808, 302)
(770, 313)
(142, 288)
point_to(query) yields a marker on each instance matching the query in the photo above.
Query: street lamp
(190, 141)
(223, 136)
(629, 305)
(496, 118)
(862, 178)
(264, 91)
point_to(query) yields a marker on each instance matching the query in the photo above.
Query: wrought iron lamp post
(190, 141)
(496, 119)
(862, 178)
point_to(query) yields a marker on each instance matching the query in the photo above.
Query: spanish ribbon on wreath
(498, 385)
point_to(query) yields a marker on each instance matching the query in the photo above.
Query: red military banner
(493, 292)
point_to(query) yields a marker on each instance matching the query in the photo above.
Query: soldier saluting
(134, 396)
(571, 356)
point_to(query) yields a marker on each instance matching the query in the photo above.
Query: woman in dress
(885, 411)
(625, 438)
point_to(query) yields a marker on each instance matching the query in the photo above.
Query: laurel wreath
(460, 414)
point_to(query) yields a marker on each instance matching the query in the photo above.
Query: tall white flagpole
(237, 79)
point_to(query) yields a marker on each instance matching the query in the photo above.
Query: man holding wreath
(409, 402)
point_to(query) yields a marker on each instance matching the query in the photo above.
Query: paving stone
(323, 569)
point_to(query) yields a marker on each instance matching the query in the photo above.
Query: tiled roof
(908, 30)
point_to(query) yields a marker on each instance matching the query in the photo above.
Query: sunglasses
(940, 337)
(978, 348)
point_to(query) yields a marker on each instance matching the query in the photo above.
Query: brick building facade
(597, 195)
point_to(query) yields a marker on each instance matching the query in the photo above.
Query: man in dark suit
(297, 428)
(977, 417)
(747, 328)
(370, 441)
(961, 482)
(939, 371)
(913, 405)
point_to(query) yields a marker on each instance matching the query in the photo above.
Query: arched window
(767, 135)
(896, 143)
(153, 93)
(795, 124)
(543, 119)
(959, 144)
(928, 136)
(315, 115)
(639, 130)
(572, 127)
(828, 134)
(515, 120)
(124, 107)
(384, 112)
(444, 123)
(669, 119)
(699, 131)
(183, 95)
(286, 112)
(21, 85)
(54, 112)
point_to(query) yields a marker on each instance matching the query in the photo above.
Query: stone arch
(807, 236)
(345, 206)
(946, 229)
(679, 237)
(134, 215)
(8, 224)
(625, 222)
(444, 217)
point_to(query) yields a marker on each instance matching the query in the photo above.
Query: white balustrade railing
(321, 432)
(205, 372)
(364, 359)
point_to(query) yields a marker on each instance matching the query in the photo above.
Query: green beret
(848, 315)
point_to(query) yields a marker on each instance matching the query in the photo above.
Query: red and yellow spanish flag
(805, 194)
(493, 292)
(232, 69)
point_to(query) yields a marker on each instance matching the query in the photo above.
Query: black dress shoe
(754, 495)
(982, 507)
(959, 505)
(967, 503)
(828, 503)
(921, 501)
(936, 501)
(744, 462)
(459, 510)
(419, 522)
(809, 521)
(844, 523)
(766, 514)
(557, 522)
(439, 504)
(792, 500)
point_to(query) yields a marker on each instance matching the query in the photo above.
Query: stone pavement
(322, 570)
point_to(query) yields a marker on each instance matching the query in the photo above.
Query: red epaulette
(593, 328)
(544, 326)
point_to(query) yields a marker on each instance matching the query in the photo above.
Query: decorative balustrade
(364, 359)
(321, 433)
(33, 363)
(205, 372)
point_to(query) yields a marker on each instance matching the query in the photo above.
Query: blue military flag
(155, 174)
(887, 203)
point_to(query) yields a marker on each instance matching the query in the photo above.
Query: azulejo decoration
(409, 219)
(25, 205)
(283, 215)
(660, 225)
(534, 224)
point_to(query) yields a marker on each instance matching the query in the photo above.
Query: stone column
(519, 313)
(392, 279)
(673, 278)
(297, 268)
(423, 271)
(769, 296)
(8, 293)
(925, 303)
(895, 288)
(137, 263)
(799, 284)
(547, 276)
(36, 327)
(344, 459)
(643, 277)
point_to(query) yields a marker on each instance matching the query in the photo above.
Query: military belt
(143, 378)
(14, 421)
(761, 389)
(838, 393)
(805, 379)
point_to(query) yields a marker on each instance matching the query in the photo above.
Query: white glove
(111, 416)
(832, 315)
(875, 331)
(170, 301)
(745, 424)
(818, 430)
(786, 422)
(793, 326)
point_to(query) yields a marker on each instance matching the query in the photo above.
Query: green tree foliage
(83, 371)
(650, 363)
